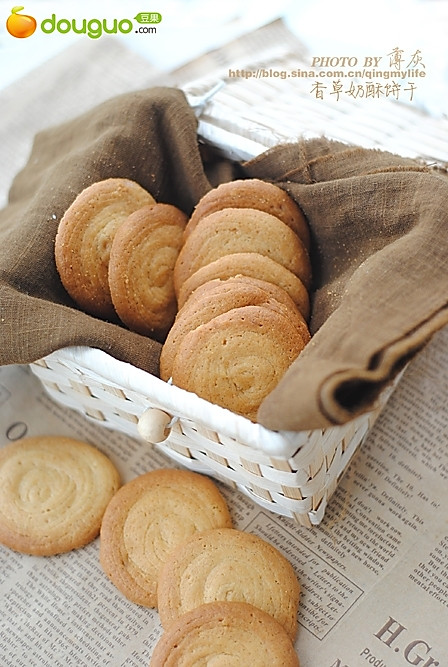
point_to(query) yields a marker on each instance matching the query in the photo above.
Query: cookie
(142, 257)
(84, 239)
(253, 193)
(236, 359)
(53, 494)
(225, 633)
(239, 281)
(219, 296)
(241, 230)
(253, 265)
(233, 565)
(147, 519)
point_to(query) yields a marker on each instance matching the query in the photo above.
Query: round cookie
(253, 265)
(228, 284)
(147, 519)
(252, 193)
(229, 564)
(53, 494)
(225, 633)
(219, 296)
(236, 359)
(84, 239)
(241, 230)
(142, 258)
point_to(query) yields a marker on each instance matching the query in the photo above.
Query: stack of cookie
(229, 595)
(226, 291)
(147, 518)
(168, 542)
(115, 251)
(242, 280)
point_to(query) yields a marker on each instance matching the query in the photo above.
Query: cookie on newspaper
(234, 230)
(225, 633)
(229, 564)
(53, 494)
(253, 193)
(142, 257)
(84, 239)
(147, 519)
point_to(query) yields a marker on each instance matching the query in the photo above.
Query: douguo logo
(93, 28)
(20, 25)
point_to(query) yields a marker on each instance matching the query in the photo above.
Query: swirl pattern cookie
(53, 494)
(226, 286)
(225, 633)
(84, 239)
(219, 296)
(147, 519)
(237, 358)
(234, 230)
(228, 564)
(142, 258)
(253, 265)
(252, 193)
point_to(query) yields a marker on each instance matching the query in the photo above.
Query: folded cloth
(148, 136)
(379, 248)
(380, 256)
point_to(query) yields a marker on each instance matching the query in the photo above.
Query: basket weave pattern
(297, 484)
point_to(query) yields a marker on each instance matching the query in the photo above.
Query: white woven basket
(292, 474)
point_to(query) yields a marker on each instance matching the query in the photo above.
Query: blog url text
(269, 72)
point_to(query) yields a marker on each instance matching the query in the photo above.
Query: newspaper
(373, 574)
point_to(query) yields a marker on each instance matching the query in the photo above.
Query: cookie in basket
(219, 296)
(225, 633)
(229, 564)
(253, 265)
(253, 193)
(142, 258)
(236, 359)
(53, 494)
(234, 230)
(84, 238)
(147, 519)
(227, 285)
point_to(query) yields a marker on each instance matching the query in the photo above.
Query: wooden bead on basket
(152, 425)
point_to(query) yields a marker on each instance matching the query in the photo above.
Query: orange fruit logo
(20, 25)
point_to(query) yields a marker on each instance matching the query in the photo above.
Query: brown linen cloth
(379, 231)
